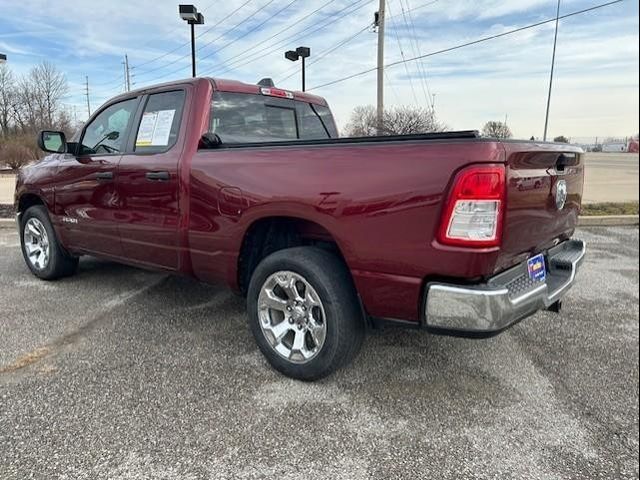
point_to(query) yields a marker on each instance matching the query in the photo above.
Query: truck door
(86, 197)
(148, 183)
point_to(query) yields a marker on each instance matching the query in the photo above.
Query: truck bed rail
(455, 135)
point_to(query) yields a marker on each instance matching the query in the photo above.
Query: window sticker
(155, 129)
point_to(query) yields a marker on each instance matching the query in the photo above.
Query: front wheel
(42, 252)
(304, 312)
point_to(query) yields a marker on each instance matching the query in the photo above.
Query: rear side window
(242, 118)
(311, 126)
(160, 122)
(327, 119)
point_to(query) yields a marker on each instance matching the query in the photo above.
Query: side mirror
(210, 140)
(53, 142)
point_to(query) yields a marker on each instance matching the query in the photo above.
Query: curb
(608, 220)
(7, 223)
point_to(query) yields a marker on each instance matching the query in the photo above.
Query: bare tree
(51, 87)
(39, 98)
(7, 94)
(396, 121)
(28, 104)
(496, 129)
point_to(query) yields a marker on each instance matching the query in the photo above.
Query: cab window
(160, 123)
(107, 133)
(311, 126)
(242, 117)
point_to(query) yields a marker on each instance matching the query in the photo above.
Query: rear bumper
(487, 309)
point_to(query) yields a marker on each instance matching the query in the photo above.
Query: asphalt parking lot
(118, 373)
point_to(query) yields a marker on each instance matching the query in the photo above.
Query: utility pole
(379, 22)
(553, 61)
(87, 94)
(127, 76)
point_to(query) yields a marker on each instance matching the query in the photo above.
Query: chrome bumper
(506, 298)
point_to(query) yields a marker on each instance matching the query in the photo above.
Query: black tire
(330, 278)
(60, 263)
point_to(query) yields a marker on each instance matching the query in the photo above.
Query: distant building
(614, 147)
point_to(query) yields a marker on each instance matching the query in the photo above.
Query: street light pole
(300, 53)
(189, 14)
(193, 49)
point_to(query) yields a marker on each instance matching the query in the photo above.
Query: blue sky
(596, 87)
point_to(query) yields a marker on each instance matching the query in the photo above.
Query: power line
(467, 44)
(250, 31)
(421, 68)
(300, 20)
(324, 53)
(394, 29)
(260, 53)
(179, 27)
(197, 36)
(276, 46)
(419, 7)
(203, 46)
(116, 79)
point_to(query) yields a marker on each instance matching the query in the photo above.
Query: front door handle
(158, 176)
(105, 176)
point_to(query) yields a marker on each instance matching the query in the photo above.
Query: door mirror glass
(53, 142)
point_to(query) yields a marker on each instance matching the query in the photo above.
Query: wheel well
(268, 235)
(28, 200)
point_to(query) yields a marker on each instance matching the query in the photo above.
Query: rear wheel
(304, 312)
(41, 250)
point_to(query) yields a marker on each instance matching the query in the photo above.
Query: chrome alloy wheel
(36, 243)
(292, 317)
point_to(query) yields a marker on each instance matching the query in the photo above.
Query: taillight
(473, 214)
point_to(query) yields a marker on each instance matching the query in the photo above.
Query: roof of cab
(226, 85)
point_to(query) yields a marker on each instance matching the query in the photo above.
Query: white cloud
(596, 89)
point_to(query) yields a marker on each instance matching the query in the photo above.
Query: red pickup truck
(326, 237)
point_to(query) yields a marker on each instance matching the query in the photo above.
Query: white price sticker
(155, 129)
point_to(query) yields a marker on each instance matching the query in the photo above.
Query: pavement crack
(26, 360)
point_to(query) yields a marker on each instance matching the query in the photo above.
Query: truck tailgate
(544, 194)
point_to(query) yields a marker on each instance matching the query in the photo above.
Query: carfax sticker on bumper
(537, 270)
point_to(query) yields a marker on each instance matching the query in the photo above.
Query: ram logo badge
(561, 194)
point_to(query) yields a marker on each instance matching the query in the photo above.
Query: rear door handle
(158, 176)
(104, 176)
